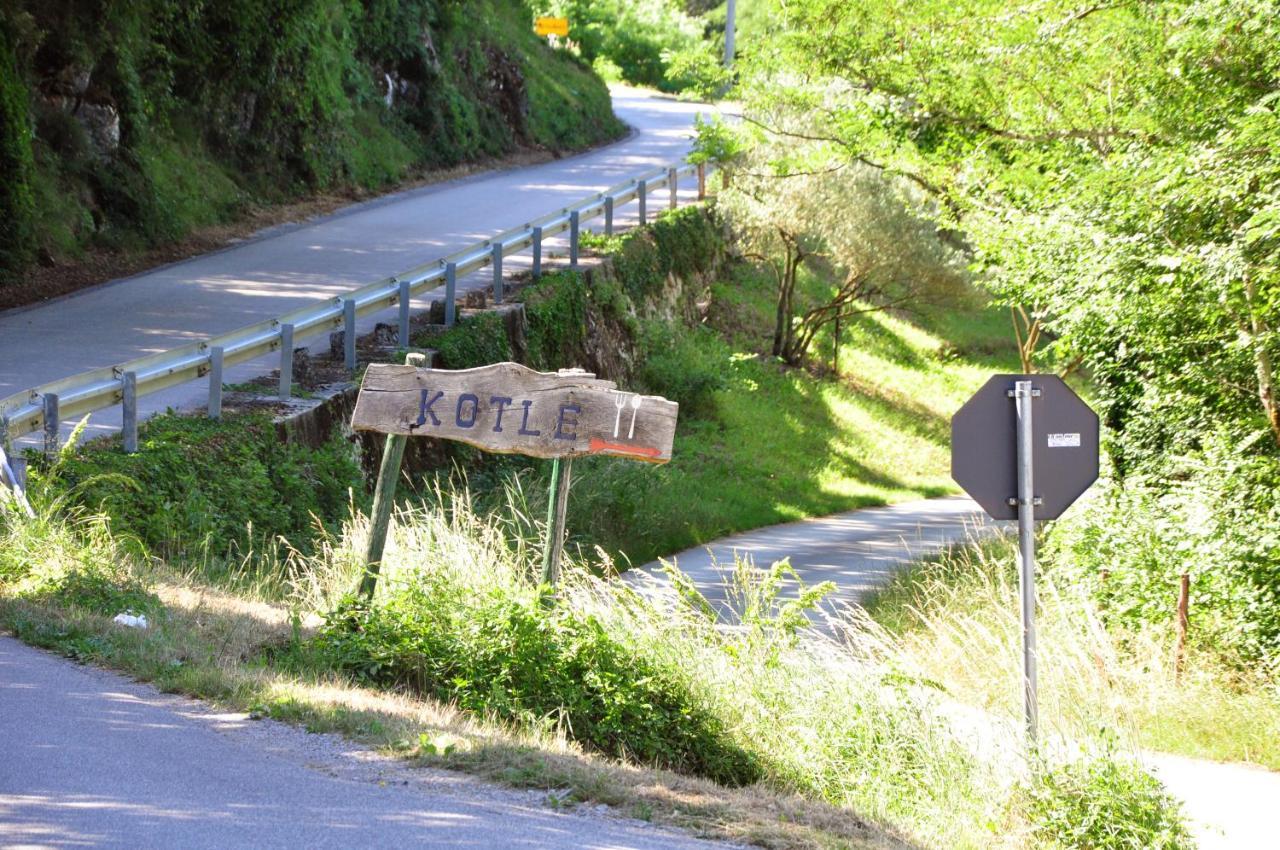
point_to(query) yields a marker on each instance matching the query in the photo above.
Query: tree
(1115, 164)
(857, 231)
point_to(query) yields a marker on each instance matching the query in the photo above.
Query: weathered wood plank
(509, 408)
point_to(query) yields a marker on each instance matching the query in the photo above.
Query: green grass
(957, 620)
(846, 747)
(781, 444)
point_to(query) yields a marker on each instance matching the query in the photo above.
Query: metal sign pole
(1023, 395)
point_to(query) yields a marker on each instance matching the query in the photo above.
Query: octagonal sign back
(984, 446)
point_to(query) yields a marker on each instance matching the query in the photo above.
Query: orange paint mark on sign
(599, 446)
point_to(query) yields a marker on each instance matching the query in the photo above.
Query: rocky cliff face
(142, 120)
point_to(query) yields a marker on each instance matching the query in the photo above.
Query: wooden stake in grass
(384, 498)
(561, 472)
(1184, 621)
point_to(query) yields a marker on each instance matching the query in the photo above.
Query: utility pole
(730, 26)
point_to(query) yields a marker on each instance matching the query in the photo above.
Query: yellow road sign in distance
(551, 26)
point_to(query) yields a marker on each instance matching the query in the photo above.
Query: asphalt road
(291, 265)
(858, 550)
(90, 759)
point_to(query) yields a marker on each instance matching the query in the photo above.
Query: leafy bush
(76, 562)
(686, 242)
(556, 310)
(686, 365)
(476, 341)
(1105, 804)
(1217, 519)
(507, 653)
(16, 201)
(199, 484)
(633, 37)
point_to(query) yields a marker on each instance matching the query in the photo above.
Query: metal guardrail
(97, 389)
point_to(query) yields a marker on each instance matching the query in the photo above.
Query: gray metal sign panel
(984, 446)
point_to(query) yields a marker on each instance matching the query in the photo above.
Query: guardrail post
(349, 333)
(129, 409)
(702, 181)
(51, 420)
(450, 294)
(673, 184)
(642, 191)
(17, 465)
(608, 215)
(497, 272)
(214, 409)
(286, 361)
(537, 253)
(574, 234)
(404, 314)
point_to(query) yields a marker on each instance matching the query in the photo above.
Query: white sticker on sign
(1061, 441)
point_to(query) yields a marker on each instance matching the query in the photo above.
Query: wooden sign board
(551, 26)
(512, 409)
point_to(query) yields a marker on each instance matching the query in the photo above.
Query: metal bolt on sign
(1025, 460)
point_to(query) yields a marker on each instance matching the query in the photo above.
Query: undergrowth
(957, 618)
(640, 672)
(200, 487)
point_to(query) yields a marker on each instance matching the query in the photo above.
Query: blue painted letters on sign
(564, 420)
(458, 416)
(424, 408)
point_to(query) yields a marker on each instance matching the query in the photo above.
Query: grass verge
(846, 747)
(957, 619)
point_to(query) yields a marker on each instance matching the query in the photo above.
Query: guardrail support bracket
(575, 233)
(286, 361)
(51, 421)
(404, 314)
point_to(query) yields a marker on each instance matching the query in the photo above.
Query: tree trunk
(1258, 332)
(782, 331)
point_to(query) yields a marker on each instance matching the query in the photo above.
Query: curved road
(288, 266)
(90, 759)
(858, 550)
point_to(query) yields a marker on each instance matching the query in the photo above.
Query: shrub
(686, 365)
(1214, 515)
(556, 310)
(508, 654)
(199, 484)
(476, 341)
(76, 562)
(1105, 804)
(16, 200)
